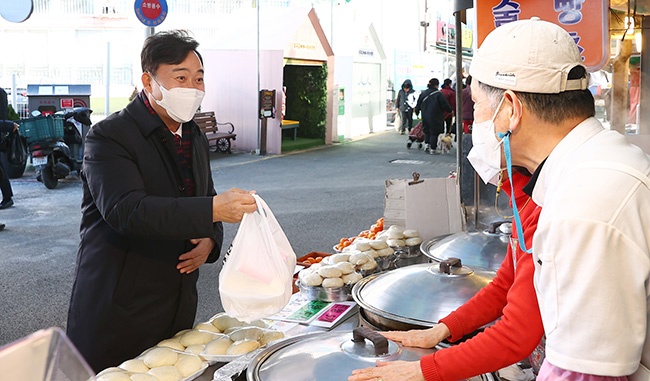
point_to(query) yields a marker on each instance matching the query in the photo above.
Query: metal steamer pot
(417, 296)
(485, 249)
(329, 356)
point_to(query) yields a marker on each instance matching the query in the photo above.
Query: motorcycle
(55, 158)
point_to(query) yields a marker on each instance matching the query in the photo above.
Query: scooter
(54, 159)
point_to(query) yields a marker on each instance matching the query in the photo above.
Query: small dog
(444, 143)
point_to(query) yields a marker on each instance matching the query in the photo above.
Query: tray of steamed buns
(186, 355)
(157, 364)
(234, 338)
(333, 277)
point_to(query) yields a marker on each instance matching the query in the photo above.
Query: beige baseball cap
(532, 56)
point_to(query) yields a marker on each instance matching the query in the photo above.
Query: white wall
(231, 91)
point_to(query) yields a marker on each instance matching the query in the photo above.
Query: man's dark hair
(551, 108)
(446, 83)
(433, 83)
(168, 47)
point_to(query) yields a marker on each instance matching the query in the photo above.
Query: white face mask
(485, 155)
(180, 103)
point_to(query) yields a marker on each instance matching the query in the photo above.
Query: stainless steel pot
(329, 356)
(485, 249)
(418, 296)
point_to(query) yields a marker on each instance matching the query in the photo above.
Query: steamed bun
(160, 356)
(166, 373)
(242, 347)
(114, 376)
(188, 364)
(196, 337)
(217, 347)
(143, 377)
(135, 366)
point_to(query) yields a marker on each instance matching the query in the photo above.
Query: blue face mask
(506, 149)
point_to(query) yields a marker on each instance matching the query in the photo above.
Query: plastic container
(46, 355)
(41, 128)
(327, 294)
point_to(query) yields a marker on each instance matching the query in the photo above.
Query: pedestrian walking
(433, 105)
(450, 96)
(6, 126)
(468, 106)
(406, 102)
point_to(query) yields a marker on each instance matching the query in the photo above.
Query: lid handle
(449, 263)
(492, 228)
(381, 343)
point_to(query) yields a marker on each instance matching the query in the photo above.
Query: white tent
(232, 76)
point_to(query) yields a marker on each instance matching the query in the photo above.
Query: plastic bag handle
(263, 209)
(260, 206)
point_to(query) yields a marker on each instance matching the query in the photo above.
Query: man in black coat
(5, 126)
(5, 185)
(150, 214)
(433, 105)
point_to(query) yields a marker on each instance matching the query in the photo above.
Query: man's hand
(194, 258)
(421, 338)
(231, 205)
(390, 371)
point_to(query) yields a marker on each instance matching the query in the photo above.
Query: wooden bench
(290, 125)
(208, 124)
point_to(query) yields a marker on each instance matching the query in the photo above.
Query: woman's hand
(390, 371)
(421, 338)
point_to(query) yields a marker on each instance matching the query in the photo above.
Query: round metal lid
(420, 294)
(327, 356)
(475, 249)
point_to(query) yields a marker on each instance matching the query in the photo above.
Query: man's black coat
(128, 294)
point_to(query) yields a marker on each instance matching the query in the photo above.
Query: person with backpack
(433, 105)
(406, 102)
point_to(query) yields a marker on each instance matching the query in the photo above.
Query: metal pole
(644, 107)
(259, 86)
(460, 6)
(425, 24)
(459, 90)
(331, 23)
(107, 100)
(14, 95)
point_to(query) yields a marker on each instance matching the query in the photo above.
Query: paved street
(318, 196)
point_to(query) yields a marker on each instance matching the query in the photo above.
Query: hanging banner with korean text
(587, 21)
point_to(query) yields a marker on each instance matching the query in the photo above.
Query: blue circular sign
(151, 12)
(16, 10)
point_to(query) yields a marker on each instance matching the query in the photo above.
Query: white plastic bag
(257, 276)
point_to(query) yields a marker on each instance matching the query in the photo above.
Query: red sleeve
(484, 307)
(511, 338)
